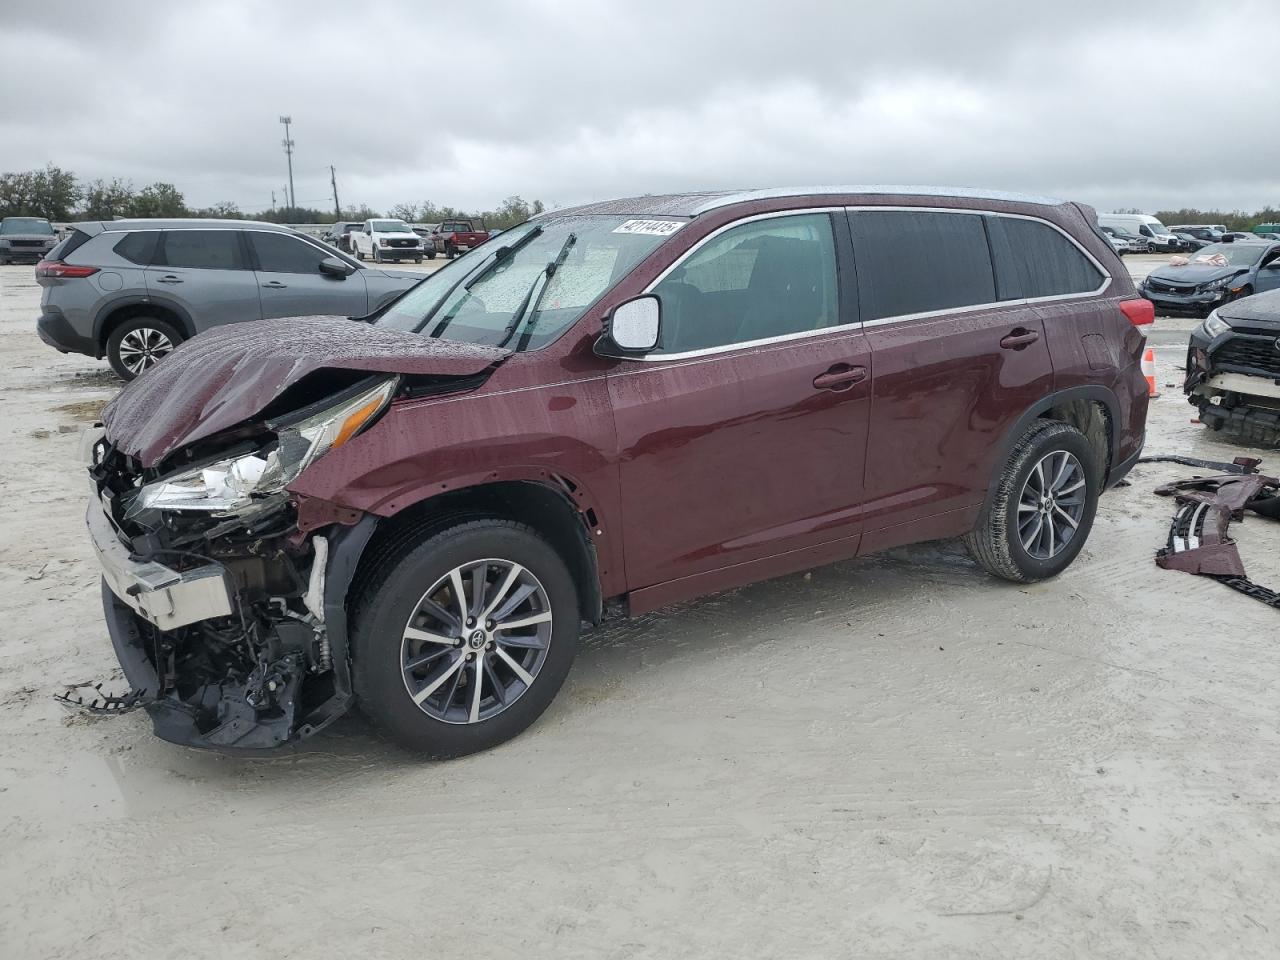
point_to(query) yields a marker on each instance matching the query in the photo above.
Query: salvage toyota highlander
(616, 407)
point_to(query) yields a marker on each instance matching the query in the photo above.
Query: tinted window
(138, 247)
(1035, 260)
(205, 249)
(917, 262)
(67, 245)
(762, 279)
(281, 253)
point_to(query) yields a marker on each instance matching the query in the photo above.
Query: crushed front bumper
(159, 594)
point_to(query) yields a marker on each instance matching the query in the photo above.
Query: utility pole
(273, 201)
(288, 152)
(337, 207)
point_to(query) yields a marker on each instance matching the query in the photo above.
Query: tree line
(1236, 220)
(57, 194)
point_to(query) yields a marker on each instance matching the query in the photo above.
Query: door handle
(841, 376)
(1019, 338)
(276, 285)
(169, 278)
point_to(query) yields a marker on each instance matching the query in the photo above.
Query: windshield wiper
(499, 256)
(544, 278)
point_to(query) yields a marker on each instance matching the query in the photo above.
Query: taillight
(56, 268)
(1139, 312)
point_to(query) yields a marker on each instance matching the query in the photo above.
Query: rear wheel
(431, 254)
(1043, 508)
(139, 344)
(462, 640)
(450, 251)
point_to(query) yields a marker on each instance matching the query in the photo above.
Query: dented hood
(230, 374)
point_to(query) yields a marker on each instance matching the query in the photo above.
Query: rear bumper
(55, 330)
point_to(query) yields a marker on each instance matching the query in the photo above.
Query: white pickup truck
(382, 240)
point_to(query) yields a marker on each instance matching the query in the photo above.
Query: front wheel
(1043, 508)
(377, 256)
(431, 254)
(462, 640)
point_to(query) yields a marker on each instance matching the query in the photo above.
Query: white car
(382, 240)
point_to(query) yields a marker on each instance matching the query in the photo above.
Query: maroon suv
(617, 407)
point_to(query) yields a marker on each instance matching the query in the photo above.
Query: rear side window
(917, 262)
(281, 253)
(68, 245)
(202, 249)
(1035, 260)
(138, 248)
(767, 278)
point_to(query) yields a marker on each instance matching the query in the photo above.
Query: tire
(394, 595)
(377, 255)
(997, 542)
(156, 338)
(431, 254)
(450, 251)
(417, 259)
(355, 252)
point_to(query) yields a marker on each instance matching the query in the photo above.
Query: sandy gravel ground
(897, 757)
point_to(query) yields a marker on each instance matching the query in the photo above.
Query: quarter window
(202, 249)
(763, 279)
(912, 262)
(281, 253)
(1035, 260)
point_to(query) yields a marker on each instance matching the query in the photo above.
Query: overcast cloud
(1154, 105)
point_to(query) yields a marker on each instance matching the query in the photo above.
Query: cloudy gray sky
(1120, 103)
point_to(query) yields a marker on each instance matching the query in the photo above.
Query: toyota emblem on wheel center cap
(476, 640)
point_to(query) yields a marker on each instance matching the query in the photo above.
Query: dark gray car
(26, 238)
(1214, 275)
(132, 290)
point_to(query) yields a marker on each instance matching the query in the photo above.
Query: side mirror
(633, 328)
(333, 267)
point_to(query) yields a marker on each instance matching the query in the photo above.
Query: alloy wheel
(476, 641)
(143, 348)
(1051, 505)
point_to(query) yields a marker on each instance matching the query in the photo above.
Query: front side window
(526, 289)
(911, 262)
(202, 249)
(763, 279)
(281, 253)
(1032, 259)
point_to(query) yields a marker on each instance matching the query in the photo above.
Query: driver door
(290, 283)
(1268, 272)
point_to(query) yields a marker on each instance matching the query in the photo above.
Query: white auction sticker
(656, 228)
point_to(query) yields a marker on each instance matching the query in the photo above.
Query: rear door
(954, 367)
(743, 436)
(290, 282)
(206, 274)
(1268, 272)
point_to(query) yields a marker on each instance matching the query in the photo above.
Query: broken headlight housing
(231, 485)
(1214, 326)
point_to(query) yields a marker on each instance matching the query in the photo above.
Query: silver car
(132, 290)
(25, 238)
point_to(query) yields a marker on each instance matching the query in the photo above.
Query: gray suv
(132, 290)
(25, 238)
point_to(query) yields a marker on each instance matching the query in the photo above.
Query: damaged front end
(1233, 376)
(227, 618)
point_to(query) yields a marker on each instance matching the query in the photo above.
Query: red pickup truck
(456, 236)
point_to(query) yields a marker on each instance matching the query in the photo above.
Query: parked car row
(391, 239)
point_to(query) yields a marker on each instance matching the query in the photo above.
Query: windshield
(391, 226)
(1236, 254)
(503, 292)
(1158, 228)
(26, 225)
